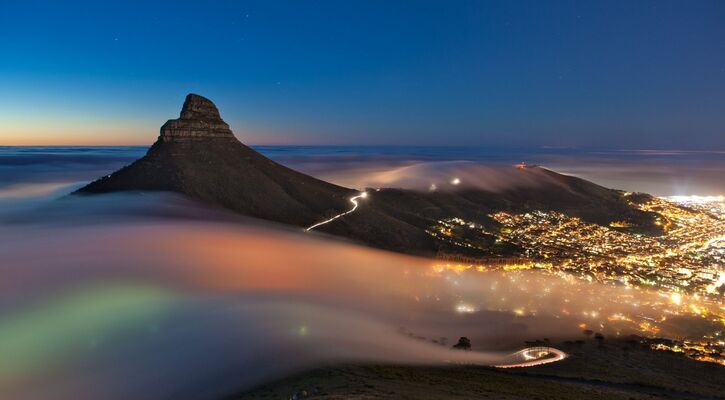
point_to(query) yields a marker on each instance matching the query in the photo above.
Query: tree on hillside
(464, 343)
(599, 337)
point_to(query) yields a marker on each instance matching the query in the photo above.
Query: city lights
(684, 267)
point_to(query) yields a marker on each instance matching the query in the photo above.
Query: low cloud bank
(448, 175)
(118, 306)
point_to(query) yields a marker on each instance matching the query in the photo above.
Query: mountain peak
(199, 107)
(199, 119)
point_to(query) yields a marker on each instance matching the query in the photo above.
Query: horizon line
(653, 151)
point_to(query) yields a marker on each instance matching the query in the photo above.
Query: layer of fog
(100, 298)
(662, 173)
(444, 175)
(21, 165)
(150, 295)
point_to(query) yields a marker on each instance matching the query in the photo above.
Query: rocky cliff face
(199, 120)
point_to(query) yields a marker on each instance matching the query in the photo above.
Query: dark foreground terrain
(617, 370)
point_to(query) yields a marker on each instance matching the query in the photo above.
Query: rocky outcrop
(199, 119)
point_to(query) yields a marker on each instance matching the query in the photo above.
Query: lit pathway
(353, 200)
(533, 354)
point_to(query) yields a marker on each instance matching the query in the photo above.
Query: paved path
(353, 200)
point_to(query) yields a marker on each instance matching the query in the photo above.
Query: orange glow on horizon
(115, 134)
(49, 132)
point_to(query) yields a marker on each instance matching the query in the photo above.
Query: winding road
(533, 356)
(353, 200)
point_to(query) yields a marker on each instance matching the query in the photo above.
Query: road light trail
(353, 200)
(535, 360)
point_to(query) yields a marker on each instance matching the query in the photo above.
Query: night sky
(619, 75)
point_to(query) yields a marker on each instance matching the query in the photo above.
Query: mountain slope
(198, 155)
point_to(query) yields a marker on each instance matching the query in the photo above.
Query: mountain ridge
(198, 155)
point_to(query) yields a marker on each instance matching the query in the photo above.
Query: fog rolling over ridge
(661, 173)
(453, 175)
(120, 305)
(198, 156)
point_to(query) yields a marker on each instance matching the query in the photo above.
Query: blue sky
(645, 74)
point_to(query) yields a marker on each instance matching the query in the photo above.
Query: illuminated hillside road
(353, 200)
(532, 357)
